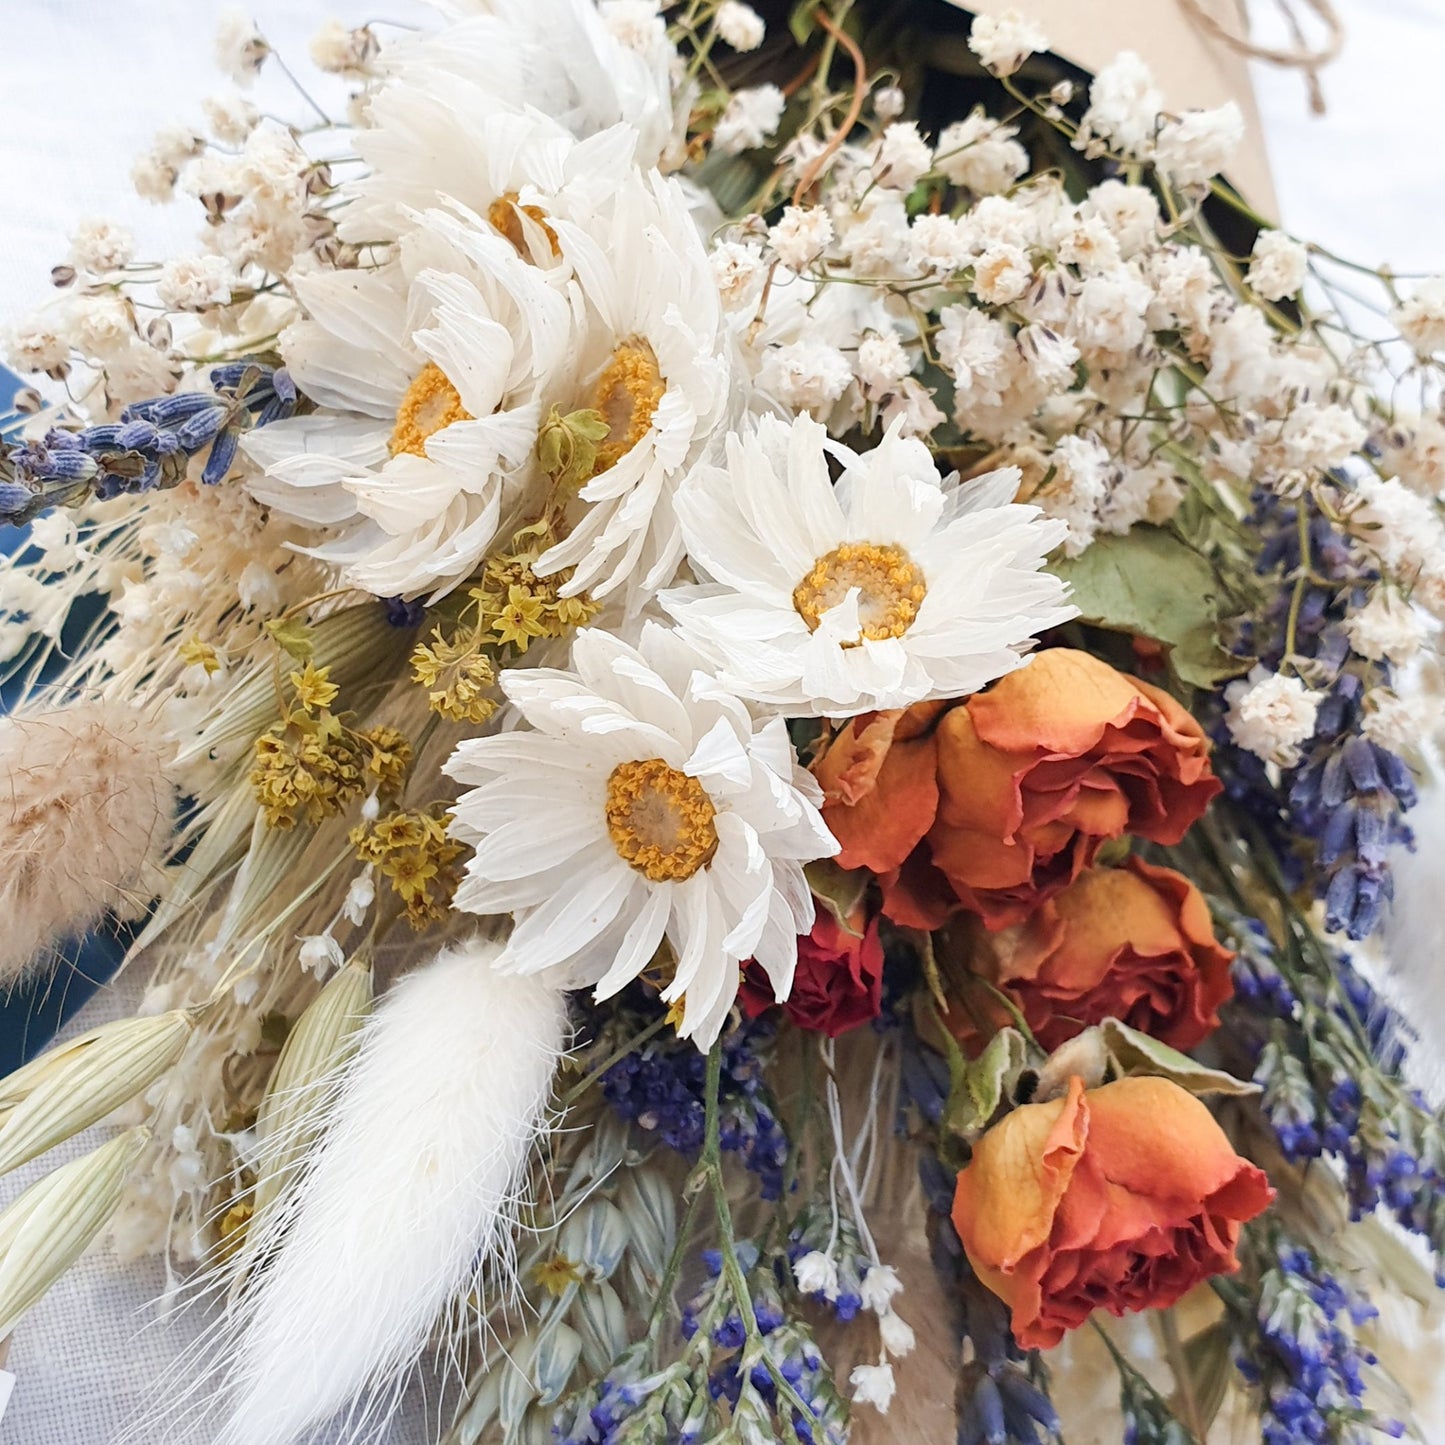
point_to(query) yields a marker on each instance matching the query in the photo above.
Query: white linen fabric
(84, 85)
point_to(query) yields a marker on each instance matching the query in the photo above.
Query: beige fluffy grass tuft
(86, 810)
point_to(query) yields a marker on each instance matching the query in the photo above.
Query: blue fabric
(31, 1015)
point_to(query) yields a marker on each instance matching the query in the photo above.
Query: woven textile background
(83, 86)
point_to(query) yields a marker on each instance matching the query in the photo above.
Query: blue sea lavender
(1297, 1346)
(150, 447)
(660, 1087)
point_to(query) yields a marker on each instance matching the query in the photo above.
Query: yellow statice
(507, 609)
(458, 676)
(310, 764)
(413, 851)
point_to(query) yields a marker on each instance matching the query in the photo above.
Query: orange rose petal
(978, 784)
(887, 823)
(1007, 1196)
(1060, 703)
(1160, 1141)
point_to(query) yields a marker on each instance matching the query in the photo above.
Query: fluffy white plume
(85, 812)
(1415, 934)
(415, 1181)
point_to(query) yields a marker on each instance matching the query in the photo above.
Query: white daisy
(559, 57)
(646, 804)
(432, 373)
(442, 137)
(662, 374)
(878, 591)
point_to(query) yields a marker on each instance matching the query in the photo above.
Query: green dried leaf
(840, 890)
(1149, 583)
(985, 1083)
(1136, 1053)
(293, 637)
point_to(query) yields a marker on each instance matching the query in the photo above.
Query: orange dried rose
(1002, 799)
(1120, 1198)
(1133, 943)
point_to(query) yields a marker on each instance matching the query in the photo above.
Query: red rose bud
(839, 982)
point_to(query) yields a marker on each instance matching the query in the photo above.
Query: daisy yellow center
(660, 820)
(889, 582)
(506, 215)
(431, 403)
(627, 395)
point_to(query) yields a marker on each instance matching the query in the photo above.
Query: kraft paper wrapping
(1191, 67)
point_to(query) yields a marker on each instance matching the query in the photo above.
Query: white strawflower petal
(837, 599)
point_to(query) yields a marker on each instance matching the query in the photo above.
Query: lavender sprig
(151, 447)
(1295, 1333)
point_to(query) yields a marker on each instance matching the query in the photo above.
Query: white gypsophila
(738, 269)
(805, 375)
(912, 410)
(980, 154)
(1278, 266)
(938, 243)
(1196, 147)
(430, 375)
(1083, 470)
(1086, 242)
(1320, 435)
(230, 116)
(875, 235)
(1186, 290)
(873, 1385)
(1124, 106)
(645, 803)
(1386, 627)
(878, 591)
(1399, 721)
(340, 50)
(192, 283)
(100, 246)
(901, 158)
(637, 25)
(1130, 212)
(241, 50)
(1421, 317)
(749, 119)
(1109, 312)
(1271, 715)
(889, 102)
(1003, 42)
(800, 235)
(36, 345)
(881, 362)
(659, 365)
(1400, 526)
(153, 179)
(1001, 274)
(1414, 451)
(740, 25)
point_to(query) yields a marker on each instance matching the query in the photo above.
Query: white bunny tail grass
(415, 1181)
(1415, 934)
(86, 811)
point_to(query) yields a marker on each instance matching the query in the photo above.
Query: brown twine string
(1303, 57)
